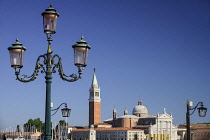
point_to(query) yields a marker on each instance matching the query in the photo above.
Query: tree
(61, 123)
(61, 129)
(31, 125)
(4, 137)
(18, 128)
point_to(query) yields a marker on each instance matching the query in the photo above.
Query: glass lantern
(65, 112)
(202, 111)
(50, 20)
(81, 53)
(16, 54)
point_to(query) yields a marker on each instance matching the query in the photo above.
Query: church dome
(140, 110)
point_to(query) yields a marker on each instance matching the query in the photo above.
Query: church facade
(159, 126)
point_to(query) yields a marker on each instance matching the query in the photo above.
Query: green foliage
(36, 123)
(18, 128)
(39, 125)
(62, 123)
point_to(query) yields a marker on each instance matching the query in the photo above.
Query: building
(137, 126)
(20, 135)
(101, 133)
(198, 131)
(158, 126)
(94, 102)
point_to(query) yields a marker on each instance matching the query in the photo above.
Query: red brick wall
(94, 112)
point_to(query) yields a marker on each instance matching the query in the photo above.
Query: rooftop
(109, 129)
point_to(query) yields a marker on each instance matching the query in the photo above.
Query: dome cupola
(140, 110)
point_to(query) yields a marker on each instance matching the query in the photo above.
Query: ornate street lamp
(47, 63)
(201, 112)
(65, 111)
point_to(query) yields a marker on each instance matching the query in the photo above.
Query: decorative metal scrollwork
(49, 69)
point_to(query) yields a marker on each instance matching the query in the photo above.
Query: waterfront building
(137, 126)
(198, 131)
(101, 133)
(158, 126)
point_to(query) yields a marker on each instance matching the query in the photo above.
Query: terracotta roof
(109, 129)
(129, 117)
(141, 126)
(201, 130)
(78, 127)
(19, 133)
(196, 125)
(81, 130)
(116, 129)
(101, 124)
(200, 125)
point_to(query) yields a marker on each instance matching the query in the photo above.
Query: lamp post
(48, 65)
(201, 111)
(65, 111)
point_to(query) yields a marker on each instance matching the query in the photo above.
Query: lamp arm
(25, 78)
(63, 76)
(196, 107)
(58, 108)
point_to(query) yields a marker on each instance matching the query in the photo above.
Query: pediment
(166, 116)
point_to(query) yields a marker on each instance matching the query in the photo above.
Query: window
(97, 94)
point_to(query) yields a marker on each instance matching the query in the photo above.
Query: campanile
(94, 102)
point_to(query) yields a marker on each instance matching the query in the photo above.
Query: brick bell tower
(94, 102)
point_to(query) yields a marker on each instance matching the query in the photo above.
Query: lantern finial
(82, 37)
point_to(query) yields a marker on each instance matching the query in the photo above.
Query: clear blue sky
(158, 51)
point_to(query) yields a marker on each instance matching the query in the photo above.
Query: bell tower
(94, 102)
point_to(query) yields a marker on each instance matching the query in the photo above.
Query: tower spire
(94, 81)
